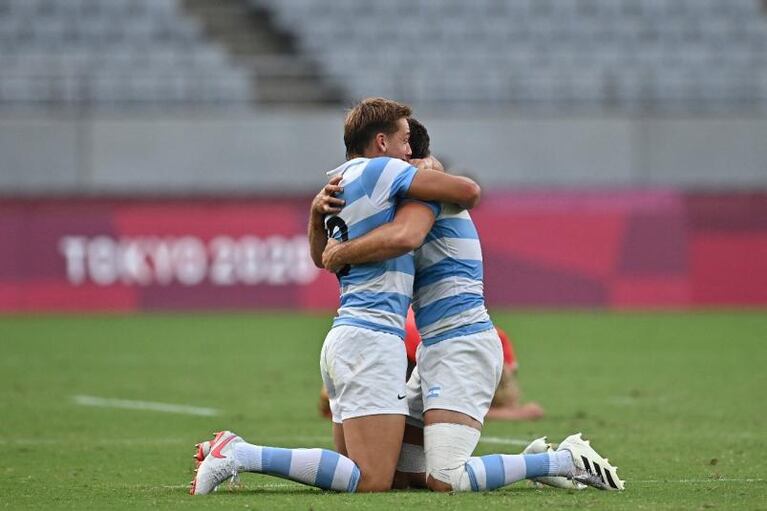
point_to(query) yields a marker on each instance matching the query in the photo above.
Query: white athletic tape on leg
(448, 447)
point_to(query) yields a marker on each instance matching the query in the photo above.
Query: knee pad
(448, 447)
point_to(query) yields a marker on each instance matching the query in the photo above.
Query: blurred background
(161, 154)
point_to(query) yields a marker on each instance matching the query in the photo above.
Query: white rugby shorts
(364, 373)
(458, 374)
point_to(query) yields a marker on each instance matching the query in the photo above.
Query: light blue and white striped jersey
(448, 296)
(375, 296)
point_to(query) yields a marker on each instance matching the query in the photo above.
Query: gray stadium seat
(110, 52)
(680, 55)
(620, 54)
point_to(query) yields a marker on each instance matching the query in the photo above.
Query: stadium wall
(280, 152)
(606, 249)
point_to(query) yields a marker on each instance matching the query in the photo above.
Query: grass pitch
(676, 400)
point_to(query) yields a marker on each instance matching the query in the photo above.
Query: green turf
(677, 400)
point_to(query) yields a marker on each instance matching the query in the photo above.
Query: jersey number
(333, 223)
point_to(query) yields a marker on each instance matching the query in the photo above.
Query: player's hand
(325, 202)
(436, 164)
(330, 256)
(430, 162)
(421, 163)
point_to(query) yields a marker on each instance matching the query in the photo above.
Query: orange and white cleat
(215, 463)
(203, 448)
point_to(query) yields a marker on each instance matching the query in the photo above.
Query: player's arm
(404, 233)
(324, 203)
(432, 185)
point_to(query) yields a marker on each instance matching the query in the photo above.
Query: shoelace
(588, 478)
(234, 480)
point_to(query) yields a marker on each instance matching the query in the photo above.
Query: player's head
(419, 139)
(377, 127)
(420, 145)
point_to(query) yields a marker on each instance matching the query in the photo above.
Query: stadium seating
(627, 55)
(111, 53)
(595, 55)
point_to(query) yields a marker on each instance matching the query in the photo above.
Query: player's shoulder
(347, 165)
(388, 162)
(384, 173)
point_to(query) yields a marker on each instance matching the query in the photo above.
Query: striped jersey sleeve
(448, 292)
(375, 296)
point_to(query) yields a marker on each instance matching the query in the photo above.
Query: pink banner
(562, 249)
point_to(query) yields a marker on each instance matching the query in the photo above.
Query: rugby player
(363, 361)
(506, 405)
(459, 362)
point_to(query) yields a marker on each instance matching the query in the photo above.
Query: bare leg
(515, 412)
(373, 443)
(338, 439)
(507, 402)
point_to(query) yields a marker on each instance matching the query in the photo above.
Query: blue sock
(497, 470)
(316, 467)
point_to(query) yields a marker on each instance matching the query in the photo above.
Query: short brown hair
(368, 117)
(419, 139)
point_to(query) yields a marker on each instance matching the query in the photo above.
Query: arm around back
(432, 185)
(404, 233)
(410, 226)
